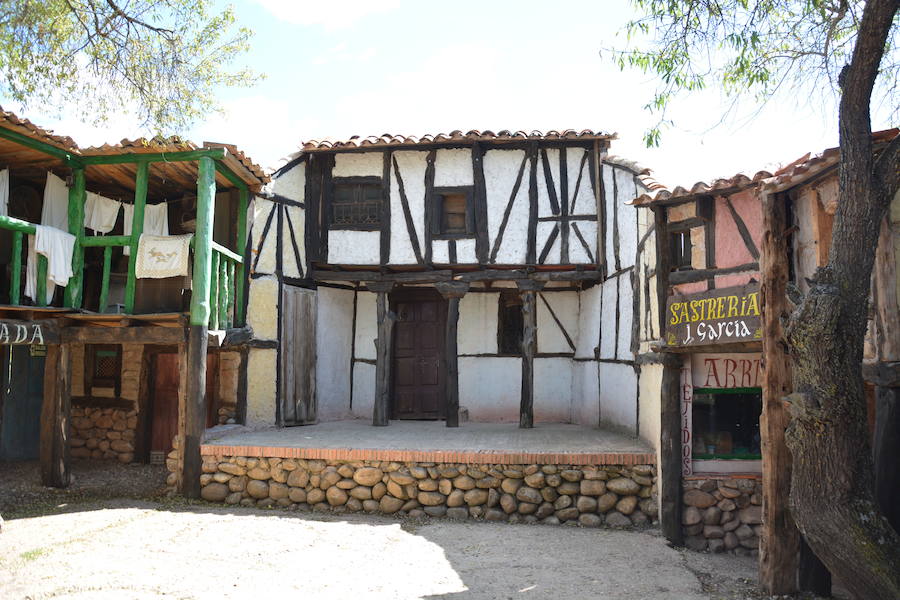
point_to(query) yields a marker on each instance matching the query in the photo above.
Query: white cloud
(331, 14)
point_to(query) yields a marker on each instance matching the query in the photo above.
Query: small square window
(510, 324)
(726, 423)
(103, 368)
(452, 213)
(356, 204)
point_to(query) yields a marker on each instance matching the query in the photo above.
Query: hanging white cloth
(58, 247)
(4, 192)
(55, 212)
(162, 256)
(156, 220)
(100, 213)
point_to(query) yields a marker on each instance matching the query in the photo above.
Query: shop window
(356, 204)
(510, 324)
(103, 369)
(452, 212)
(680, 249)
(726, 423)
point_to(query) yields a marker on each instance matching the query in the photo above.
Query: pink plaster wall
(730, 248)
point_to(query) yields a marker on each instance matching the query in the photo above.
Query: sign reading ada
(714, 317)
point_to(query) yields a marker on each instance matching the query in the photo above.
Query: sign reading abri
(28, 332)
(714, 317)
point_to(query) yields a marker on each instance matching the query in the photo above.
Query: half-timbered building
(464, 275)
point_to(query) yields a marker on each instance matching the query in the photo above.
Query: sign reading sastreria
(714, 317)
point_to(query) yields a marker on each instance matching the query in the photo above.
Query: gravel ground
(108, 538)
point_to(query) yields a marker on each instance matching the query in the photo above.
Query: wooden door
(418, 362)
(164, 407)
(298, 356)
(21, 397)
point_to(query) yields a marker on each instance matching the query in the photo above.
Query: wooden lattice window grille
(103, 367)
(356, 205)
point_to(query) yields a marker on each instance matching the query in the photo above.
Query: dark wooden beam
(193, 424)
(563, 207)
(123, 335)
(742, 229)
(482, 244)
(670, 451)
(531, 251)
(54, 451)
(407, 215)
(384, 241)
(383, 353)
(453, 291)
(694, 275)
(528, 290)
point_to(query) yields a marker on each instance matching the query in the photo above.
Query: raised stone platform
(432, 441)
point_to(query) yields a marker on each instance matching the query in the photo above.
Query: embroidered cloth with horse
(160, 256)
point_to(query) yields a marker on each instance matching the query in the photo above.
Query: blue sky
(340, 68)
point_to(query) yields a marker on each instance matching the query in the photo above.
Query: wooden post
(215, 286)
(670, 491)
(16, 269)
(74, 291)
(104, 282)
(779, 546)
(453, 291)
(137, 228)
(238, 278)
(55, 417)
(41, 287)
(383, 354)
(528, 288)
(195, 400)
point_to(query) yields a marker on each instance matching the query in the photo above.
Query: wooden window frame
(359, 182)
(501, 322)
(91, 380)
(437, 212)
(725, 391)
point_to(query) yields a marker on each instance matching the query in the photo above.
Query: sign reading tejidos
(714, 317)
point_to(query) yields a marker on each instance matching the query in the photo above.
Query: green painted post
(15, 280)
(224, 293)
(41, 294)
(104, 284)
(214, 291)
(232, 289)
(206, 198)
(75, 289)
(137, 228)
(243, 203)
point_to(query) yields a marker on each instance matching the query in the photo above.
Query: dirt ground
(111, 539)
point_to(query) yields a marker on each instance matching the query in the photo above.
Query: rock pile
(618, 496)
(103, 433)
(723, 515)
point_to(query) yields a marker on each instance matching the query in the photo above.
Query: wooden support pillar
(528, 288)
(383, 354)
(194, 421)
(779, 547)
(55, 417)
(453, 291)
(74, 290)
(670, 450)
(137, 228)
(240, 271)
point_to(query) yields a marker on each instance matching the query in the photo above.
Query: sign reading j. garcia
(714, 317)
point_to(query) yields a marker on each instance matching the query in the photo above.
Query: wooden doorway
(419, 366)
(298, 356)
(21, 399)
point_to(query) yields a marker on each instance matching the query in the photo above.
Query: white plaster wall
(543, 233)
(412, 170)
(291, 184)
(440, 252)
(333, 332)
(366, 325)
(261, 210)
(609, 295)
(627, 218)
(577, 253)
(453, 167)
(626, 316)
(477, 329)
(354, 247)
(581, 201)
(500, 170)
(618, 391)
(465, 252)
(552, 390)
(262, 308)
(544, 208)
(363, 390)
(650, 388)
(588, 330)
(490, 388)
(585, 393)
(361, 164)
(607, 173)
(289, 261)
(566, 307)
(262, 376)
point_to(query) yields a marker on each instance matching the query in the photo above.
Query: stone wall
(229, 371)
(103, 433)
(723, 513)
(617, 496)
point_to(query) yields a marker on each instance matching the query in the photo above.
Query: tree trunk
(832, 488)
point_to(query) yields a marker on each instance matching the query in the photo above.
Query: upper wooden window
(453, 215)
(356, 203)
(680, 249)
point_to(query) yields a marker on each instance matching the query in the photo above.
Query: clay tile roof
(26, 127)
(455, 136)
(738, 182)
(644, 174)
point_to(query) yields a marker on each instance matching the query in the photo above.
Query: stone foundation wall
(103, 433)
(722, 514)
(618, 496)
